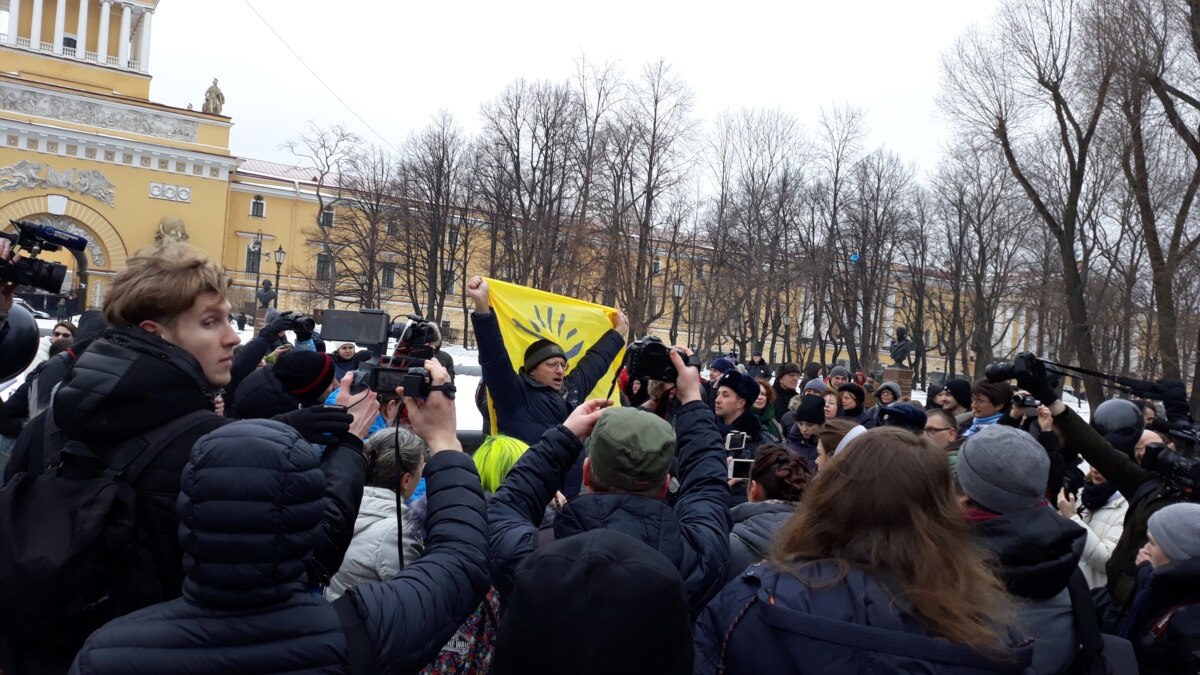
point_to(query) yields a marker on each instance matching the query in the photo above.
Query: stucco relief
(27, 175)
(97, 113)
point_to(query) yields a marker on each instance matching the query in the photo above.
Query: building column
(35, 30)
(102, 36)
(81, 30)
(144, 41)
(123, 39)
(60, 25)
(14, 20)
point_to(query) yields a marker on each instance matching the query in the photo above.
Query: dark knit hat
(742, 384)
(904, 415)
(1003, 469)
(1176, 529)
(631, 450)
(811, 410)
(304, 374)
(812, 371)
(723, 365)
(839, 370)
(596, 602)
(856, 391)
(788, 369)
(931, 394)
(960, 390)
(542, 350)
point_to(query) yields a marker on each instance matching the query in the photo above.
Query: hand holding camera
(687, 381)
(651, 359)
(432, 417)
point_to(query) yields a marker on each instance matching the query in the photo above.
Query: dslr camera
(414, 340)
(1180, 471)
(303, 324)
(650, 358)
(30, 271)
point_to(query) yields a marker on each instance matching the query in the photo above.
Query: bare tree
(323, 150)
(1037, 85)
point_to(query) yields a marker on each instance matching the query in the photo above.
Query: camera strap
(448, 389)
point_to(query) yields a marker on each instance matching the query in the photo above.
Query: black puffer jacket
(694, 535)
(1165, 621)
(127, 383)
(754, 528)
(1038, 551)
(250, 509)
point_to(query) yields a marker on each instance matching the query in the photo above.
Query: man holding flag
(541, 393)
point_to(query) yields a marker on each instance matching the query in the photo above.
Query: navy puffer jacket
(250, 512)
(694, 535)
(798, 622)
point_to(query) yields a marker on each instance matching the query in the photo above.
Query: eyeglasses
(57, 334)
(934, 430)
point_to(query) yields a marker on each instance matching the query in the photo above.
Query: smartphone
(740, 468)
(735, 441)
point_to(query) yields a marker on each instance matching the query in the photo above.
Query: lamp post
(693, 319)
(677, 289)
(787, 337)
(279, 254)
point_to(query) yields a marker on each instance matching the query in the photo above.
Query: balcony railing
(74, 53)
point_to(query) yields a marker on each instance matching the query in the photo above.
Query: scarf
(1096, 496)
(981, 422)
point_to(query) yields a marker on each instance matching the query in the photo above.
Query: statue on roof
(214, 99)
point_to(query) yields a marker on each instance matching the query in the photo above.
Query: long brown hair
(887, 505)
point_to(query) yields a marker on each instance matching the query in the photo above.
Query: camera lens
(47, 276)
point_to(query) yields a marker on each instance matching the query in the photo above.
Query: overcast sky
(397, 63)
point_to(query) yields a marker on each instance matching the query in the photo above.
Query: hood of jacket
(757, 522)
(377, 504)
(1038, 550)
(262, 396)
(126, 383)
(91, 326)
(251, 500)
(646, 519)
(892, 387)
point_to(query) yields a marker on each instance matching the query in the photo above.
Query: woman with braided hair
(777, 482)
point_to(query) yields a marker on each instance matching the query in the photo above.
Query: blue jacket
(769, 621)
(251, 611)
(694, 535)
(524, 408)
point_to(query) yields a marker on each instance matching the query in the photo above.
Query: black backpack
(67, 539)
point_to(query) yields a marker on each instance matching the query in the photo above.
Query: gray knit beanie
(1003, 469)
(1176, 528)
(839, 370)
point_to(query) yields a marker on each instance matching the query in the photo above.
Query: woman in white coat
(380, 547)
(1100, 509)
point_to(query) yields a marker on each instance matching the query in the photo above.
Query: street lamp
(677, 289)
(279, 254)
(787, 337)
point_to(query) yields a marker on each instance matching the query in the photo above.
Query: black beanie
(304, 374)
(960, 390)
(542, 350)
(931, 395)
(596, 602)
(856, 391)
(811, 410)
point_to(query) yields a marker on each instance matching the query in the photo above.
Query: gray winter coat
(754, 528)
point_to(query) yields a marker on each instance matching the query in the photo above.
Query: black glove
(318, 424)
(1033, 378)
(281, 323)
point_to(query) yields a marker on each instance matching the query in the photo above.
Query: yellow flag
(527, 315)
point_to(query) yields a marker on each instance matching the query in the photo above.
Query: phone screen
(740, 468)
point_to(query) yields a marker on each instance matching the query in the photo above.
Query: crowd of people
(255, 509)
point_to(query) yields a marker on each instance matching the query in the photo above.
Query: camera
(1180, 471)
(417, 382)
(1020, 401)
(29, 271)
(650, 358)
(303, 324)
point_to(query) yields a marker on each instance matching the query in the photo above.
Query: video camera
(30, 271)
(1180, 470)
(650, 358)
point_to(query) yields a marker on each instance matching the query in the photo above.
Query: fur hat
(746, 387)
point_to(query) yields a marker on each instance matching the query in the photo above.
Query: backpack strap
(127, 460)
(1086, 623)
(358, 643)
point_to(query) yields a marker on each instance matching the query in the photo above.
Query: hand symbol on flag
(550, 325)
